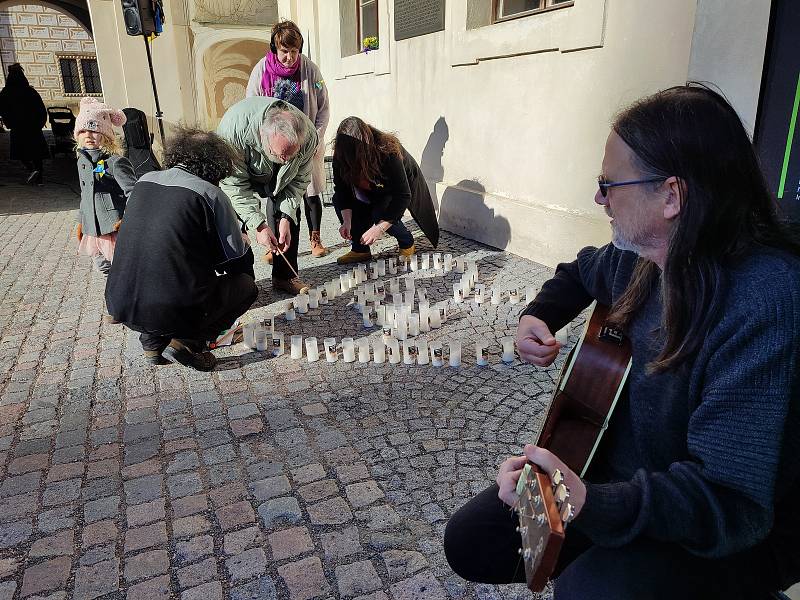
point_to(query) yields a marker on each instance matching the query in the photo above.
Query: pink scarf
(274, 70)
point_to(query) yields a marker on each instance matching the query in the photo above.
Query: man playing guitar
(693, 490)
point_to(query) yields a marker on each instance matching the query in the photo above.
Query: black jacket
(23, 112)
(401, 186)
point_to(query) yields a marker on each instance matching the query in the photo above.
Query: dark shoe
(178, 352)
(317, 249)
(292, 286)
(153, 357)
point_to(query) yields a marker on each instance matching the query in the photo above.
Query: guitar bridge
(611, 334)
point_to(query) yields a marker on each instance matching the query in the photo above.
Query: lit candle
(269, 324)
(397, 298)
(409, 283)
(379, 350)
(312, 350)
(513, 296)
(392, 267)
(412, 262)
(374, 271)
(482, 352)
(366, 318)
(455, 353)
(331, 355)
(394, 286)
(363, 350)
(405, 263)
(480, 290)
(408, 354)
(297, 347)
(495, 295)
(381, 267)
(380, 311)
(290, 314)
(443, 307)
(437, 261)
(394, 351)
(301, 302)
(260, 338)
(413, 324)
(331, 288)
(460, 264)
(277, 343)
(313, 298)
(349, 349)
(447, 262)
(508, 349)
(248, 336)
(435, 317)
(426, 261)
(421, 294)
(408, 297)
(400, 330)
(422, 351)
(437, 356)
(424, 316)
(458, 292)
(343, 282)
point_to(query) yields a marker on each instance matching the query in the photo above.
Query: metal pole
(159, 114)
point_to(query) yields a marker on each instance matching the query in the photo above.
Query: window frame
(549, 6)
(359, 33)
(78, 58)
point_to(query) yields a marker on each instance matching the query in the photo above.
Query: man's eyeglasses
(604, 183)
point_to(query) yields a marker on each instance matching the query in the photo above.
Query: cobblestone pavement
(268, 478)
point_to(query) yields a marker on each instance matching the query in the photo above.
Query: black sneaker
(178, 352)
(153, 357)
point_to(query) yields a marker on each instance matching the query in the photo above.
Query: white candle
(409, 352)
(437, 261)
(366, 318)
(460, 264)
(447, 262)
(297, 346)
(412, 263)
(480, 290)
(397, 298)
(331, 355)
(409, 283)
(301, 302)
(277, 343)
(508, 349)
(421, 294)
(513, 296)
(380, 290)
(379, 350)
(405, 263)
(392, 268)
(455, 353)
(380, 311)
(374, 271)
(495, 295)
(394, 286)
(269, 324)
(313, 298)
(482, 352)
(248, 336)
(260, 338)
(426, 261)
(381, 267)
(437, 356)
(413, 324)
(343, 282)
(408, 297)
(436, 320)
(400, 330)
(363, 350)
(312, 350)
(422, 351)
(349, 349)
(290, 314)
(458, 292)
(328, 292)
(443, 307)
(530, 294)
(394, 351)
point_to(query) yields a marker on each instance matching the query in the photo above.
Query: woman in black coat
(375, 180)
(23, 112)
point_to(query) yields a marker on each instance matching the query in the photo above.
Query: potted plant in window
(369, 43)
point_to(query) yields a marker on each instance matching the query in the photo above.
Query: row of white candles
(420, 351)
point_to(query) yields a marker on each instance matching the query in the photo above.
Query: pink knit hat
(97, 116)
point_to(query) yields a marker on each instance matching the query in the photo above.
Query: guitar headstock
(544, 510)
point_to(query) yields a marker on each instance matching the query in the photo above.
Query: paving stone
(195, 548)
(12, 534)
(7, 589)
(423, 586)
(194, 575)
(98, 554)
(403, 563)
(25, 464)
(190, 526)
(279, 510)
(357, 578)
(250, 563)
(142, 514)
(154, 589)
(208, 591)
(189, 505)
(228, 494)
(65, 471)
(237, 542)
(289, 543)
(56, 519)
(319, 490)
(235, 515)
(243, 427)
(340, 544)
(9, 566)
(184, 484)
(104, 508)
(270, 488)
(60, 544)
(305, 578)
(143, 489)
(308, 473)
(262, 588)
(363, 493)
(330, 512)
(146, 565)
(99, 533)
(46, 576)
(13, 486)
(183, 461)
(148, 536)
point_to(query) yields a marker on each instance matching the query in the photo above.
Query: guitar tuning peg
(540, 519)
(557, 478)
(561, 493)
(567, 513)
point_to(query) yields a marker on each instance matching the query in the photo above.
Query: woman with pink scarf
(286, 74)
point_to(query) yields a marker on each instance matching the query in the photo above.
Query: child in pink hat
(106, 179)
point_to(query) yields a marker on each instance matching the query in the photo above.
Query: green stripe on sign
(789, 140)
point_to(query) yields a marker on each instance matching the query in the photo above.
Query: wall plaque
(417, 17)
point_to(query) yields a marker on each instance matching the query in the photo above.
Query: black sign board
(417, 17)
(777, 135)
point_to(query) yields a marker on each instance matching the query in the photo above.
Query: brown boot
(268, 257)
(291, 286)
(317, 249)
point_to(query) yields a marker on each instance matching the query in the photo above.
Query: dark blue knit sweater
(706, 456)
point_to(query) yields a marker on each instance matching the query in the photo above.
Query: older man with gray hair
(275, 144)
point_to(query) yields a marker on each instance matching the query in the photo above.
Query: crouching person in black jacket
(182, 270)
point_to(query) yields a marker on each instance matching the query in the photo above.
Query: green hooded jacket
(252, 167)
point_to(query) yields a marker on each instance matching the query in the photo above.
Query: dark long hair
(359, 150)
(692, 133)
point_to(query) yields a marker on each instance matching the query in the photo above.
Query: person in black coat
(375, 180)
(23, 112)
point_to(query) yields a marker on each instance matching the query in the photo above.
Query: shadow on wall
(431, 161)
(463, 211)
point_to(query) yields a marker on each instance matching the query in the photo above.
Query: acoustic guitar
(587, 391)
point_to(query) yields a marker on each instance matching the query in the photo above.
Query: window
(511, 9)
(367, 19)
(80, 75)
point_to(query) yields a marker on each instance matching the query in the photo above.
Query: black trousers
(481, 544)
(280, 270)
(234, 294)
(312, 206)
